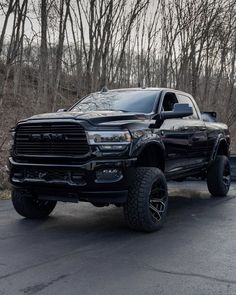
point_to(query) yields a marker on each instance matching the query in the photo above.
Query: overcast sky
(32, 25)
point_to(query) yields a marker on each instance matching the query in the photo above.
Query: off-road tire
(219, 177)
(138, 214)
(28, 206)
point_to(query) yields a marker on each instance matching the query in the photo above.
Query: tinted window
(169, 101)
(128, 101)
(185, 99)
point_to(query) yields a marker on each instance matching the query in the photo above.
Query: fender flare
(157, 157)
(220, 138)
(138, 149)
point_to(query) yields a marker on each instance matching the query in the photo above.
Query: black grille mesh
(54, 139)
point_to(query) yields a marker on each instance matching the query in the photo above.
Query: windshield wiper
(120, 110)
(114, 110)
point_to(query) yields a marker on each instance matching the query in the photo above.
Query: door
(175, 134)
(198, 149)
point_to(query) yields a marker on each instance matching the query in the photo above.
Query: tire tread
(135, 210)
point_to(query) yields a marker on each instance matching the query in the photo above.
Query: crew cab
(117, 147)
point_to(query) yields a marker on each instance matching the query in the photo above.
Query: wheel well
(223, 148)
(152, 156)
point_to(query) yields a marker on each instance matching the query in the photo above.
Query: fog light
(108, 175)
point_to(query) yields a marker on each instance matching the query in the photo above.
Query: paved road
(86, 250)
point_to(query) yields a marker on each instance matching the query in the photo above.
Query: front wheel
(28, 206)
(146, 207)
(219, 176)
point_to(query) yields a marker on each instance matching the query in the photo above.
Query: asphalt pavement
(85, 250)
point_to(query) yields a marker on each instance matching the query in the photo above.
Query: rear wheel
(28, 206)
(219, 177)
(147, 203)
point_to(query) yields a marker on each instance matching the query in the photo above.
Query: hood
(216, 126)
(94, 117)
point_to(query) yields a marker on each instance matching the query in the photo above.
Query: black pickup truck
(117, 147)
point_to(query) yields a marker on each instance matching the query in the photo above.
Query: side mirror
(61, 110)
(180, 110)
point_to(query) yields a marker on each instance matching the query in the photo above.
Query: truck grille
(53, 139)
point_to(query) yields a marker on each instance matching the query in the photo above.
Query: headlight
(13, 133)
(109, 140)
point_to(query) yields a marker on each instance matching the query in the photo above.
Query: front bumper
(99, 181)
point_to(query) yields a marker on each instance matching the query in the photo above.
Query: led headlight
(13, 133)
(109, 140)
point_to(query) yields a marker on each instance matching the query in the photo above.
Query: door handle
(203, 129)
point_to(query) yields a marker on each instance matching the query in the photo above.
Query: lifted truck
(117, 147)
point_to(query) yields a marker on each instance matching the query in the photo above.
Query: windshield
(126, 101)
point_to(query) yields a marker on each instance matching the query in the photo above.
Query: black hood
(94, 117)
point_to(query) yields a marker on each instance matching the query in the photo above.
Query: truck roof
(148, 88)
